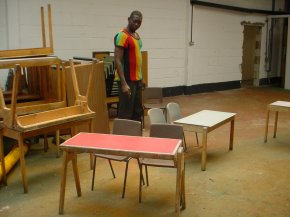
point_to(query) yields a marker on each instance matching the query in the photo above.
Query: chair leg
(117, 109)
(140, 183)
(146, 171)
(125, 179)
(94, 171)
(140, 168)
(112, 168)
(91, 161)
(143, 122)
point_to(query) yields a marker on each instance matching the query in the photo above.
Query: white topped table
(278, 106)
(204, 122)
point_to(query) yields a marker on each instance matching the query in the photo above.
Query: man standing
(128, 61)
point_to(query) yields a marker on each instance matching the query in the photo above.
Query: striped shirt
(132, 59)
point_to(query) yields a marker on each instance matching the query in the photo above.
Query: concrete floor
(253, 180)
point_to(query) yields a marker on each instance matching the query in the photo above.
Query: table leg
(204, 149)
(180, 189)
(266, 128)
(91, 155)
(63, 182)
(57, 141)
(22, 162)
(276, 121)
(76, 174)
(67, 157)
(232, 134)
(183, 203)
(2, 160)
(45, 145)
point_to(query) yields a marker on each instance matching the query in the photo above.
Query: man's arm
(119, 54)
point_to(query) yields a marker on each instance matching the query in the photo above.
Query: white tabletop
(281, 103)
(205, 118)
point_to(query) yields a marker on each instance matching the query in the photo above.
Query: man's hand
(143, 84)
(126, 89)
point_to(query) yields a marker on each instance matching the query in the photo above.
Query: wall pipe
(191, 26)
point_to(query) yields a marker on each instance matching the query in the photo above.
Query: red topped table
(133, 146)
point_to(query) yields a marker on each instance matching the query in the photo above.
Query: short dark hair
(138, 13)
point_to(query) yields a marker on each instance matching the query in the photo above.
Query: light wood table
(204, 122)
(278, 106)
(133, 146)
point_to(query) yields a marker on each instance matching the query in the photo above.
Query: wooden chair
(20, 127)
(120, 127)
(152, 98)
(173, 113)
(162, 130)
(156, 116)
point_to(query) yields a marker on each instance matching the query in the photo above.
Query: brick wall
(80, 27)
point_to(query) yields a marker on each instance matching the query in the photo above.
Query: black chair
(120, 127)
(173, 114)
(162, 131)
(153, 98)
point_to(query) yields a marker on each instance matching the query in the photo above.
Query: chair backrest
(127, 127)
(171, 131)
(153, 95)
(173, 112)
(156, 116)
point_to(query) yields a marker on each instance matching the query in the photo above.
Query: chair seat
(113, 157)
(157, 162)
(154, 105)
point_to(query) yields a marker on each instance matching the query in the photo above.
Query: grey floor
(253, 180)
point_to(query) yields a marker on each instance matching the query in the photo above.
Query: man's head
(134, 21)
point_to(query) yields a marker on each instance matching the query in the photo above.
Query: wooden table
(20, 127)
(278, 106)
(133, 146)
(204, 122)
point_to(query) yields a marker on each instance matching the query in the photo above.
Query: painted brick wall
(216, 55)
(80, 27)
(3, 25)
(3, 39)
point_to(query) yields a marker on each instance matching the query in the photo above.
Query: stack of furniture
(41, 107)
(19, 127)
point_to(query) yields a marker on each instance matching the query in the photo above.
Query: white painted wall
(3, 38)
(254, 4)
(216, 55)
(217, 51)
(3, 25)
(80, 27)
(90, 25)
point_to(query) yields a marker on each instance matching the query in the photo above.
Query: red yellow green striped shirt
(132, 59)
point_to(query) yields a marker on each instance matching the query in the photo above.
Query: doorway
(251, 55)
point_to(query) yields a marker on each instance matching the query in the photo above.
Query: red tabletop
(138, 144)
